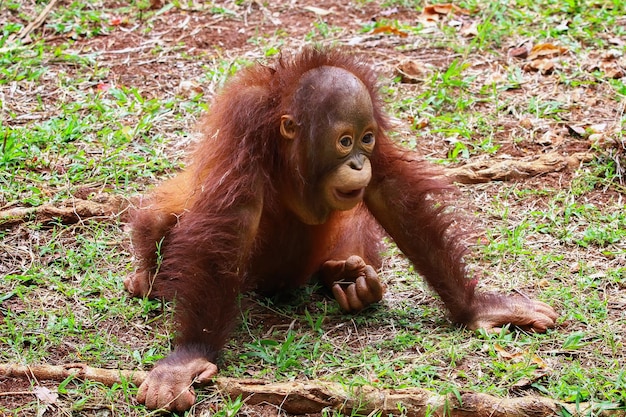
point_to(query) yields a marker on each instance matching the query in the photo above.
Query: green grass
(77, 122)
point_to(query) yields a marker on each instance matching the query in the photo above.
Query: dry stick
(73, 211)
(108, 377)
(315, 396)
(23, 34)
(504, 170)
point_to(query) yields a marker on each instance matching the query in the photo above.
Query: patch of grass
(78, 122)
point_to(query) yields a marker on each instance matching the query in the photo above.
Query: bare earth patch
(559, 103)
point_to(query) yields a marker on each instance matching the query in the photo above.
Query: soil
(145, 53)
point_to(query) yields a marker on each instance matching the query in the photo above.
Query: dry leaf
(614, 73)
(545, 139)
(544, 66)
(45, 395)
(503, 353)
(189, 89)
(610, 63)
(526, 123)
(118, 21)
(411, 72)
(597, 128)
(389, 12)
(546, 50)
(421, 124)
(519, 52)
(446, 8)
(434, 13)
(471, 29)
(578, 131)
(389, 30)
(156, 4)
(318, 10)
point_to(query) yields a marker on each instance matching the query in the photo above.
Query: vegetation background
(98, 100)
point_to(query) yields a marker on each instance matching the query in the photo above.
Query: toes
(542, 324)
(363, 291)
(183, 401)
(341, 297)
(353, 298)
(207, 375)
(369, 289)
(377, 288)
(548, 311)
(141, 393)
(138, 284)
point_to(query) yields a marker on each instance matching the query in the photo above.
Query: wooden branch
(108, 377)
(25, 32)
(509, 169)
(70, 211)
(314, 396)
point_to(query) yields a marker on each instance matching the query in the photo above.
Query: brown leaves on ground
(539, 58)
(541, 367)
(433, 14)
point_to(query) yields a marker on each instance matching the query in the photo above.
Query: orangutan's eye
(368, 139)
(345, 141)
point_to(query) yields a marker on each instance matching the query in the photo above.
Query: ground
(99, 103)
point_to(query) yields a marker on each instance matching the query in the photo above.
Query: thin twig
(23, 34)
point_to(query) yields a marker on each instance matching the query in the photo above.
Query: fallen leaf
(534, 359)
(189, 89)
(118, 21)
(45, 395)
(389, 30)
(411, 72)
(519, 52)
(546, 50)
(615, 73)
(611, 55)
(470, 30)
(446, 8)
(597, 128)
(318, 10)
(503, 353)
(431, 14)
(577, 131)
(544, 66)
(539, 362)
(421, 124)
(389, 12)
(526, 123)
(546, 139)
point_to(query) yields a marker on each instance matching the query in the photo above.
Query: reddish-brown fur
(223, 226)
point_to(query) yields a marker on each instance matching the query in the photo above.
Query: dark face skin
(337, 148)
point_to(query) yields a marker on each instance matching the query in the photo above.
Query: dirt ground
(128, 52)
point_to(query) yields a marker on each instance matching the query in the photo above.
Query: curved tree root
(510, 169)
(108, 377)
(315, 396)
(68, 212)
